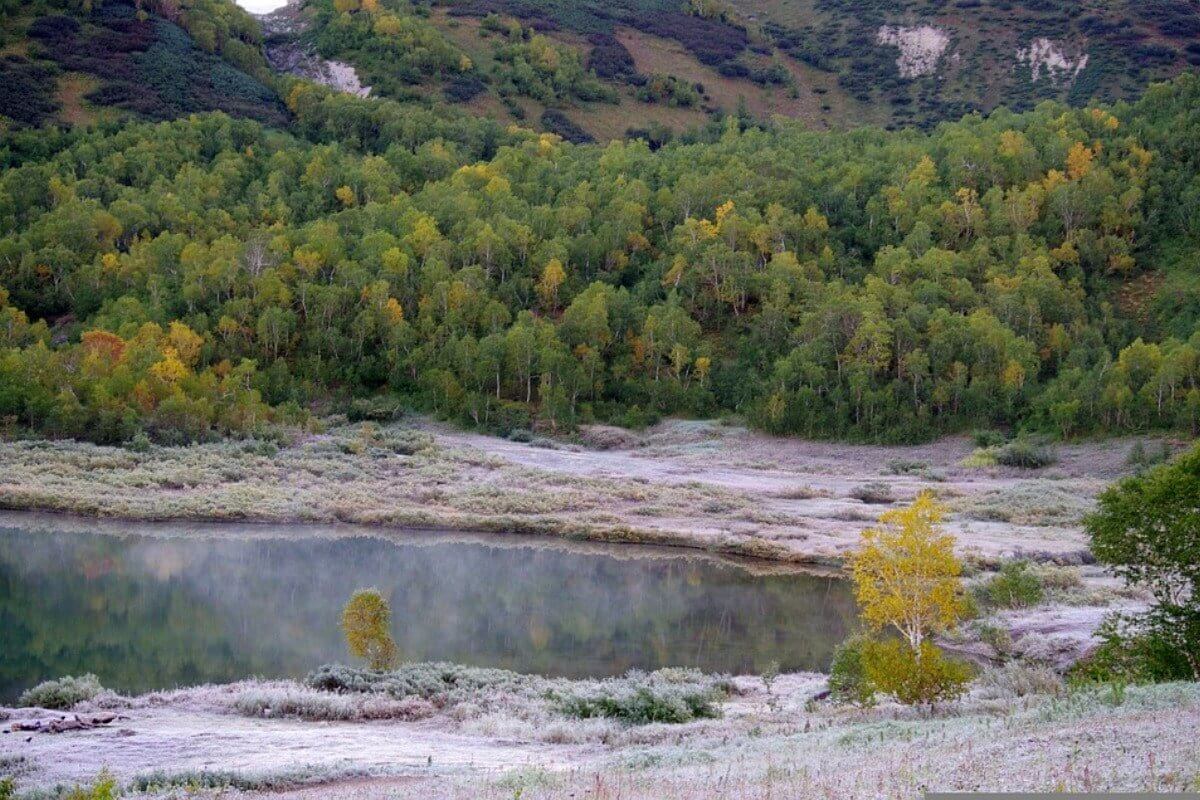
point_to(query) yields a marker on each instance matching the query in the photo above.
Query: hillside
(213, 275)
(603, 70)
(155, 60)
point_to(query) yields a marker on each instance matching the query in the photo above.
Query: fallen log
(64, 724)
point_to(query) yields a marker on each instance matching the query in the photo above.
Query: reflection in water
(146, 612)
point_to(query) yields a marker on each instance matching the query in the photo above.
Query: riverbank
(700, 485)
(1015, 733)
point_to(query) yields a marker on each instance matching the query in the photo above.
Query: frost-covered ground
(695, 484)
(767, 744)
(692, 484)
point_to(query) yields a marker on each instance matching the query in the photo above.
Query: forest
(218, 275)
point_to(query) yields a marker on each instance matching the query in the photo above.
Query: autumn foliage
(365, 622)
(908, 581)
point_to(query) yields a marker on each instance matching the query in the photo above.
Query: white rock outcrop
(1044, 55)
(920, 48)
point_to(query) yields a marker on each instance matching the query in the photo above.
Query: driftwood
(63, 724)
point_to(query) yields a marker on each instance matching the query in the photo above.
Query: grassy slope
(978, 70)
(112, 66)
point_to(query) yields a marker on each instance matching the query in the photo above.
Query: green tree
(1147, 528)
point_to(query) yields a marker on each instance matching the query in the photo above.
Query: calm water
(148, 612)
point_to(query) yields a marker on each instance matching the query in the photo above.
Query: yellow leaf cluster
(905, 573)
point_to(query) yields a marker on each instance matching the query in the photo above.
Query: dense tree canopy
(210, 275)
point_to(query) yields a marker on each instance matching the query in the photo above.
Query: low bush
(558, 123)
(1141, 458)
(904, 466)
(639, 698)
(103, 788)
(1131, 652)
(311, 704)
(62, 693)
(1014, 586)
(1019, 679)
(1025, 454)
(914, 677)
(668, 695)
(876, 493)
(847, 676)
(443, 684)
(1030, 502)
(988, 437)
(374, 409)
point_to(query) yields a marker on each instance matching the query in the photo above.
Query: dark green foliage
(1146, 529)
(375, 409)
(27, 90)
(1014, 586)
(871, 285)
(1025, 454)
(986, 437)
(670, 696)
(464, 88)
(712, 41)
(848, 681)
(560, 124)
(610, 59)
(151, 66)
(62, 693)
(1132, 652)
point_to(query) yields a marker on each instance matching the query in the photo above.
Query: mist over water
(150, 612)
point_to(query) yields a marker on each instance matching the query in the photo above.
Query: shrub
(1145, 528)
(668, 695)
(673, 696)
(442, 683)
(1025, 454)
(365, 621)
(140, 443)
(847, 677)
(988, 437)
(1132, 652)
(521, 435)
(1019, 679)
(103, 788)
(875, 492)
(1140, 458)
(558, 123)
(311, 704)
(62, 693)
(981, 457)
(914, 677)
(1014, 586)
(374, 409)
(904, 466)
